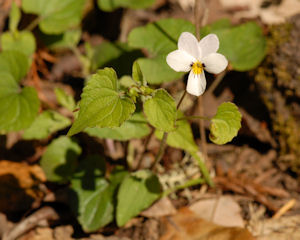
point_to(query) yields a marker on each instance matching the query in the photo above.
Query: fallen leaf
(19, 185)
(161, 208)
(186, 225)
(223, 211)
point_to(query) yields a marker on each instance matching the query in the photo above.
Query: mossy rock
(278, 79)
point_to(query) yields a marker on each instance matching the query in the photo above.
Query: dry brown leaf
(161, 208)
(186, 225)
(19, 185)
(39, 234)
(223, 211)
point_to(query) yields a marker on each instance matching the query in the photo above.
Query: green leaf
(135, 127)
(244, 45)
(159, 38)
(15, 63)
(225, 124)
(60, 159)
(182, 137)
(160, 111)
(68, 39)
(136, 194)
(18, 107)
(156, 70)
(137, 74)
(64, 99)
(23, 41)
(217, 25)
(110, 5)
(45, 124)
(56, 16)
(117, 55)
(95, 196)
(14, 17)
(101, 104)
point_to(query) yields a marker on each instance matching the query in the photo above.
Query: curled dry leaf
(19, 185)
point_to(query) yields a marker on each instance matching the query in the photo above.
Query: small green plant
(122, 99)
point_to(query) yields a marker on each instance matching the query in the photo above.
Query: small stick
(286, 207)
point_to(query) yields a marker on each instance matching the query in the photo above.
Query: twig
(286, 207)
(163, 144)
(46, 213)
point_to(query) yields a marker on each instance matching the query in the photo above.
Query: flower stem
(187, 184)
(216, 82)
(163, 144)
(193, 117)
(33, 24)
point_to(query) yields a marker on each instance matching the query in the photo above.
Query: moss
(279, 83)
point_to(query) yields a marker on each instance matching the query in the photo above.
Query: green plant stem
(187, 184)
(33, 24)
(163, 143)
(216, 82)
(203, 169)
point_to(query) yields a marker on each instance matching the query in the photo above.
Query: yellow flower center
(197, 67)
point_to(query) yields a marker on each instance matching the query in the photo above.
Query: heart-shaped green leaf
(182, 137)
(56, 16)
(160, 110)
(45, 124)
(159, 38)
(60, 159)
(102, 104)
(14, 63)
(135, 194)
(135, 127)
(18, 107)
(23, 41)
(225, 124)
(244, 45)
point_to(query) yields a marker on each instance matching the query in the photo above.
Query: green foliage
(14, 17)
(182, 137)
(18, 107)
(243, 45)
(45, 124)
(23, 41)
(64, 99)
(160, 110)
(68, 39)
(137, 74)
(135, 127)
(14, 63)
(92, 202)
(225, 124)
(117, 55)
(110, 5)
(159, 38)
(56, 16)
(135, 194)
(102, 104)
(60, 159)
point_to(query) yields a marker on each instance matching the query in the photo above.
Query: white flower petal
(188, 42)
(209, 44)
(196, 84)
(215, 63)
(180, 61)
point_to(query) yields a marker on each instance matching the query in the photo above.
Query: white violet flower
(196, 57)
